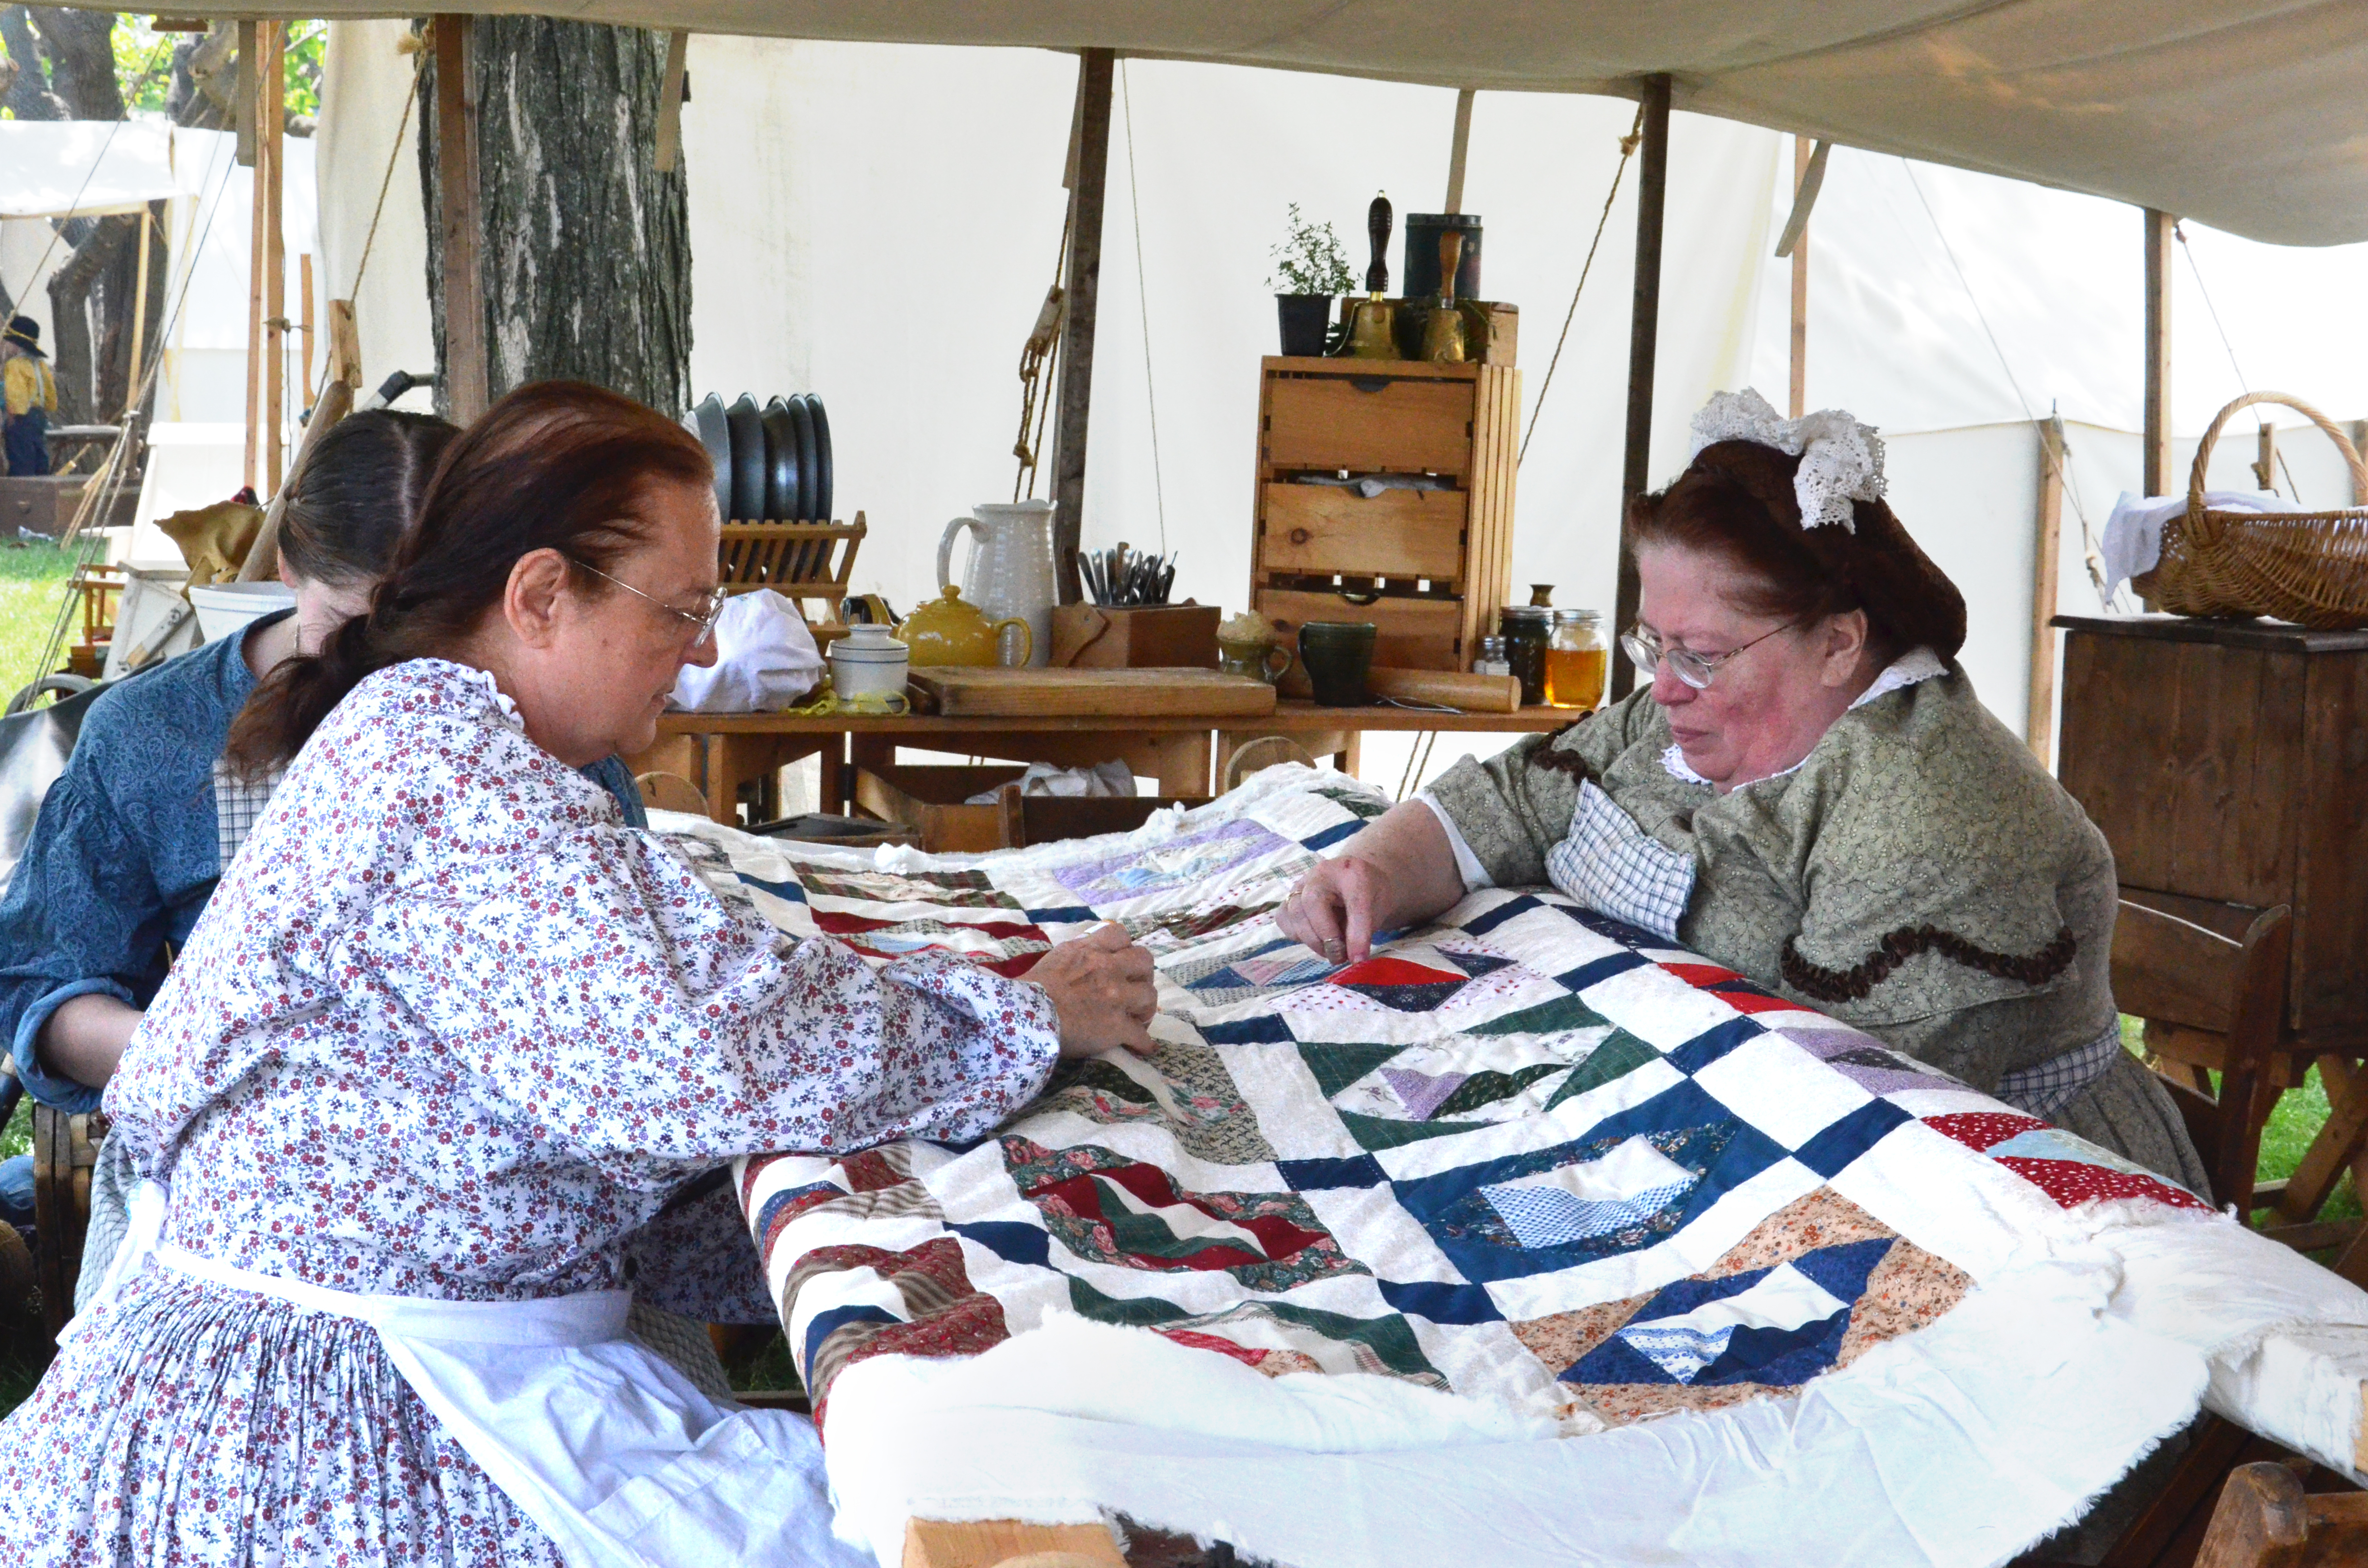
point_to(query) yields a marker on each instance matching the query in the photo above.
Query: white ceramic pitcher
(1010, 570)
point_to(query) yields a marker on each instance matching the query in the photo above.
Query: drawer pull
(1300, 536)
(1370, 383)
(1360, 600)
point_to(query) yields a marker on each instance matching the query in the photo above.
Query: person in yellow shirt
(31, 397)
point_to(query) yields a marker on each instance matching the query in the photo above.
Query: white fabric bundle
(2133, 533)
(766, 660)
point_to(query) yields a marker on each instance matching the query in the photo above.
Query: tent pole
(1800, 398)
(2158, 226)
(270, 155)
(466, 378)
(1462, 144)
(250, 49)
(139, 312)
(1643, 329)
(2039, 716)
(1089, 150)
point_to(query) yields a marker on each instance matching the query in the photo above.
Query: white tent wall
(209, 231)
(877, 223)
(28, 259)
(366, 83)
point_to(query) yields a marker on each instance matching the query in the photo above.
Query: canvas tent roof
(69, 168)
(2244, 113)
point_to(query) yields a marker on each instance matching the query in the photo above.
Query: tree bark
(586, 254)
(205, 83)
(28, 95)
(70, 291)
(81, 52)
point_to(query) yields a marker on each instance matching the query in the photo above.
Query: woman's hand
(1101, 988)
(1333, 909)
(1400, 870)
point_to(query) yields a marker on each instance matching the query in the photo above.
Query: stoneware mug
(1255, 660)
(1337, 656)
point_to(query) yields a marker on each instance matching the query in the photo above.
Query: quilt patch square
(1184, 1090)
(1636, 1179)
(956, 890)
(1185, 861)
(1107, 1209)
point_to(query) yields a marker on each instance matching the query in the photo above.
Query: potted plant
(1310, 269)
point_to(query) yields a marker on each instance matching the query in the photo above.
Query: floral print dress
(447, 1029)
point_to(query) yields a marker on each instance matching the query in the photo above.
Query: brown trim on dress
(1554, 759)
(1851, 984)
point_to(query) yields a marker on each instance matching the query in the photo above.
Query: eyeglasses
(1646, 651)
(704, 619)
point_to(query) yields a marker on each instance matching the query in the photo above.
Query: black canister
(1422, 232)
(1527, 629)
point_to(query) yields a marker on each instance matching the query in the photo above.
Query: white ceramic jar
(869, 662)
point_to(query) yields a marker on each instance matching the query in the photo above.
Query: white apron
(620, 1460)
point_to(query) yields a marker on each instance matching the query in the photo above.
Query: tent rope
(1143, 302)
(2244, 386)
(1628, 144)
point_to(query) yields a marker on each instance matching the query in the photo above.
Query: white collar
(1911, 668)
(485, 678)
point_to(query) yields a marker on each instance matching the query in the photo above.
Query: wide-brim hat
(25, 332)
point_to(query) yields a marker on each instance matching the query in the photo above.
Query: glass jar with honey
(1577, 660)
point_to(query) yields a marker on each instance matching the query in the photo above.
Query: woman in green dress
(1808, 792)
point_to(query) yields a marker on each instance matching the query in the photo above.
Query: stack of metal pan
(772, 464)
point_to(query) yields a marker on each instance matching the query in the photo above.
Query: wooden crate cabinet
(1429, 568)
(2228, 761)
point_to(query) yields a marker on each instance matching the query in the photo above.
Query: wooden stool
(65, 1151)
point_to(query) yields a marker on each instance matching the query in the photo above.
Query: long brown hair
(1736, 499)
(554, 465)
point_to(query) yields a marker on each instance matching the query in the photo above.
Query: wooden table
(2226, 763)
(723, 753)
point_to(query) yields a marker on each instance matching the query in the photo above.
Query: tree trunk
(586, 257)
(81, 51)
(28, 95)
(205, 82)
(79, 401)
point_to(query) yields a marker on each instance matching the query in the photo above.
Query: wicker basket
(2307, 567)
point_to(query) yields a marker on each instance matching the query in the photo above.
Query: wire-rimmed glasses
(1646, 651)
(704, 619)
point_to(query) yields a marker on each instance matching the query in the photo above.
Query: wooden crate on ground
(1430, 567)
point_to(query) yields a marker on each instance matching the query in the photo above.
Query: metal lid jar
(1577, 660)
(1526, 629)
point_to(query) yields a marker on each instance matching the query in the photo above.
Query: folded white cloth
(764, 659)
(2133, 533)
(1101, 780)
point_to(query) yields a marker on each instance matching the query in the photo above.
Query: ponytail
(554, 465)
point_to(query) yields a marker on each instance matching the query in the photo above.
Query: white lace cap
(1841, 459)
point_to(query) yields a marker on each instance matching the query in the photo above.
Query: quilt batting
(1527, 1154)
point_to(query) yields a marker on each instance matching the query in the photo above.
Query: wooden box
(930, 798)
(2228, 761)
(1428, 567)
(1134, 637)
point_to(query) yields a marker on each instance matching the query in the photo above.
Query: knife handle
(1450, 256)
(1377, 225)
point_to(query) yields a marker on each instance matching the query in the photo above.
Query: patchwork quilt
(1525, 1155)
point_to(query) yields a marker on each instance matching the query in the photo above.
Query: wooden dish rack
(803, 562)
(1428, 567)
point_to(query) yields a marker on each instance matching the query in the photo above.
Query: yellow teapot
(950, 629)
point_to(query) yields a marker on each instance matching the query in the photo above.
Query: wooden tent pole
(669, 146)
(270, 156)
(2039, 715)
(1089, 150)
(250, 44)
(1644, 331)
(2158, 226)
(305, 379)
(139, 312)
(467, 378)
(1455, 157)
(1799, 402)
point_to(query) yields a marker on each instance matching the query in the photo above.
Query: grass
(32, 582)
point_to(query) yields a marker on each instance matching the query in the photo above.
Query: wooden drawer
(1368, 424)
(1322, 530)
(1413, 634)
(929, 798)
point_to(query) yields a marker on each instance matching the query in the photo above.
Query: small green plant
(1310, 260)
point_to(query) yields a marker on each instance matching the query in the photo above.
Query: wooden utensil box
(2228, 760)
(1428, 567)
(1134, 636)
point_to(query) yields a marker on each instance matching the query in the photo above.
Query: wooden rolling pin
(1448, 688)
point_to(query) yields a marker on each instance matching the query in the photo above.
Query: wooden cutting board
(989, 691)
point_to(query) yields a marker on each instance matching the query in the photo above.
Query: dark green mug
(1337, 654)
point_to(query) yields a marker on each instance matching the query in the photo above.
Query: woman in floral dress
(448, 1032)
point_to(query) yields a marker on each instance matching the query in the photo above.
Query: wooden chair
(2265, 1519)
(65, 1153)
(671, 792)
(2211, 1005)
(1046, 819)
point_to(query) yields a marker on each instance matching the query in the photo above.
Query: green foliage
(1310, 260)
(306, 42)
(144, 62)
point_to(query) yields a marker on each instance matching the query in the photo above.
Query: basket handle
(2202, 525)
